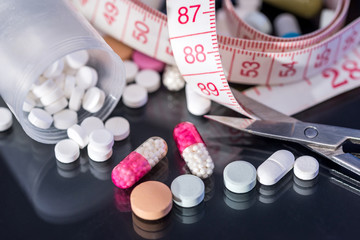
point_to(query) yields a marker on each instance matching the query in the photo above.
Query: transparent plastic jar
(36, 33)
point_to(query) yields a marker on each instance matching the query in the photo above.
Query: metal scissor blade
(259, 110)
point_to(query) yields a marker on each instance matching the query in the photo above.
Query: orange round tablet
(119, 48)
(151, 200)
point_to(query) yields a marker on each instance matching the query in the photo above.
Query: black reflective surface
(44, 199)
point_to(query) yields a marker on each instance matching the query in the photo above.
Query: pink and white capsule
(193, 150)
(139, 162)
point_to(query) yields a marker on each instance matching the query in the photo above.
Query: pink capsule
(193, 149)
(139, 162)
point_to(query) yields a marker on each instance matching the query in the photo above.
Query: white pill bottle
(36, 33)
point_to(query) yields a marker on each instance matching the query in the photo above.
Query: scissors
(323, 139)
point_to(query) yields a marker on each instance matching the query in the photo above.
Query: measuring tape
(207, 61)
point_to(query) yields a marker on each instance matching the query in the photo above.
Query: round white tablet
(99, 104)
(306, 168)
(135, 96)
(67, 151)
(65, 119)
(44, 88)
(40, 118)
(6, 119)
(119, 127)
(99, 156)
(149, 79)
(92, 123)
(77, 59)
(76, 98)
(78, 134)
(54, 70)
(52, 96)
(131, 70)
(239, 177)
(101, 139)
(188, 190)
(57, 106)
(29, 104)
(86, 77)
(92, 98)
(69, 85)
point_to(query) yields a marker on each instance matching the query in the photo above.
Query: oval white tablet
(65, 119)
(92, 123)
(99, 104)
(101, 139)
(92, 98)
(196, 104)
(99, 156)
(239, 177)
(67, 151)
(135, 96)
(275, 167)
(86, 77)
(57, 106)
(40, 118)
(306, 168)
(54, 70)
(6, 119)
(77, 59)
(188, 190)
(149, 79)
(78, 134)
(119, 127)
(131, 70)
(76, 98)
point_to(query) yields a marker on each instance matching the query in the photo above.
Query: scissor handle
(348, 161)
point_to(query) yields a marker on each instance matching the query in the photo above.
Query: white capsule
(275, 167)
(306, 168)
(67, 151)
(77, 59)
(86, 77)
(76, 98)
(6, 119)
(54, 70)
(65, 119)
(92, 123)
(131, 70)
(119, 127)
(44, 88)
(52, 97)
(40, 118)
(69, 85)
(149, 79)
(93, 100)
(196, 104)
(287, 26)
(135, 96)
(57, 106)
(258, 21)
(79, 135)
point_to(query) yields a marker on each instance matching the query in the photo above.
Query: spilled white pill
(76, 98)
(57, 106)
(239, 177)
(188, 190)
(79, 135)
(92, 123)
(119, 127)
(40, 118)
(86, 77)
(93, 100)
(101, 140)
(77, 59)
(131, 70)
(65, 119)
(135, 96)
(6, 119)
(149, 79)
(54, 70)
(44, 88)
(67, 151)
(306, 168)
(275, 167)
(196, 104)
(99, 156)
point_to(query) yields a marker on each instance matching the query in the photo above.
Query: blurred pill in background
(286, 26)
(258, 21)
(326, 16)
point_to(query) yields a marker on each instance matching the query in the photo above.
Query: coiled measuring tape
(207, 61)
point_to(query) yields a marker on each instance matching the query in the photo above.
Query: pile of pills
(64, 88)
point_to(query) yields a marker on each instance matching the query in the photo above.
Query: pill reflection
(101, 170)
(122, 199)
(239, 201)
(68, 170)
(209, 188)
(151, 229)
(305, 188)
(269, 194)
(189, 215)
